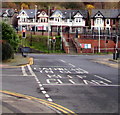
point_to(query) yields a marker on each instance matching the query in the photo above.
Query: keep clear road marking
(39, 83)
(103, 78)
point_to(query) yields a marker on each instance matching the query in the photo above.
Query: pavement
(108, 62)
(17, 104)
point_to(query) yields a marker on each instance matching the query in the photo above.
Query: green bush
(7, 51)
(9, 35)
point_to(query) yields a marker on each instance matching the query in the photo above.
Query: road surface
(73, 81)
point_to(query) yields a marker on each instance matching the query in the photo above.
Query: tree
(24, 6)
(89, 8)
(9, 35)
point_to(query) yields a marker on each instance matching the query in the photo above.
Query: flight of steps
(72, 48)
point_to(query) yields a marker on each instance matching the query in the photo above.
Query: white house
(74, 19)
(105, 19)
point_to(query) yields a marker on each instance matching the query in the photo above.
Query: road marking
(81, 77)
(70, 76)
(51, 104)
(49, 99)
(15, 75)
(30, 69)
(69, 84)
(44, 92)
(37, 80)
(72, 81)
(41, 88)
(23, 71)
(103, 78)
(46, 95)
(59, 81)
(40, 85)
(63, 61)
(71, 65)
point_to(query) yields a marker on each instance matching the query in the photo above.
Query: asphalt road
(73, 81)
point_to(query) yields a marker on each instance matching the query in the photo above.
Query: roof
(107, 13)
(29, 12)
(71, 13)
(8, 12)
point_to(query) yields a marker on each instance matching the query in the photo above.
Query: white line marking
(38, 82)
(72, 81)
(63, 61)
(23, 71)
(41, 88)
(40, 85)
(46, 95)
(103, 78)
(44, 92)
(15, 75)
(49, 99)
(32, 73)
(70, 76)
(59, 81)
(71, 65)
(34, 68)
(84, 85)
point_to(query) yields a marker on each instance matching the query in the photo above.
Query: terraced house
(41, 20)
(105, 19)
(72, 20)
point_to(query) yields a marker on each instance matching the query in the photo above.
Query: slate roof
(9, 12)
(71, 13)
(29, 12)
(107, 13)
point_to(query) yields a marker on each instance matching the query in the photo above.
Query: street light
(99, 40)
(35, 16)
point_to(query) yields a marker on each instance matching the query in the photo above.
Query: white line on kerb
(62, 61)
(103, 78)
(23, 71)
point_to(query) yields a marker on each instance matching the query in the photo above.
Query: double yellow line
(51, 104)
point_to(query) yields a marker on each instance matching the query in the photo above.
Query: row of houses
(72, 20)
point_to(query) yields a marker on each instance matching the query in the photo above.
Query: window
(113, 21)
(107, 21)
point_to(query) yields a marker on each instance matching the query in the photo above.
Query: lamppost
(35, 18)
(61, 33)
(48, 30)
(99, 40)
